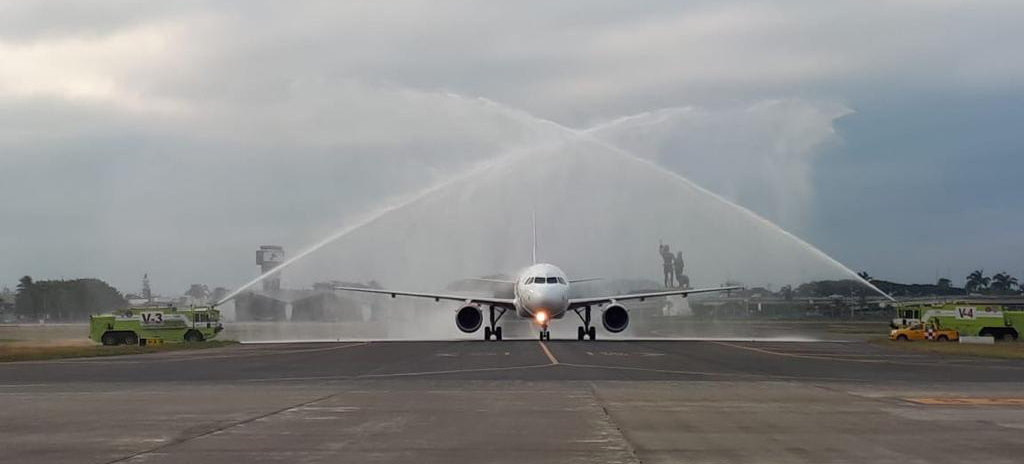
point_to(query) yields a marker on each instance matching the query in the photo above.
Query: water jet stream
(373, 216)
(588, 134)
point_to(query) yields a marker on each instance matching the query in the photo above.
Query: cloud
(232, 125)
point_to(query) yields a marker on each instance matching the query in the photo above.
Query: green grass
(17, 352)
(1003, 350)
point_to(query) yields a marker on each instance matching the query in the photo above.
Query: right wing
(581, 302)
(502, 302)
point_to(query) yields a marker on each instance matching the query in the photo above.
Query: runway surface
(516, 401)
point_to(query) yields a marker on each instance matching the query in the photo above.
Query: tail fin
(534, 237)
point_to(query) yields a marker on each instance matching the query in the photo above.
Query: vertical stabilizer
(535, 237)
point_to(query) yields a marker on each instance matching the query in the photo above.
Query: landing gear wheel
(580, 333)
(487, 333)
(497, 333)
(592, 333)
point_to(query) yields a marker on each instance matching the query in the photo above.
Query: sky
(174, 138)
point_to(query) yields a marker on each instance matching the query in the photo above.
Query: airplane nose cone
(553, 301)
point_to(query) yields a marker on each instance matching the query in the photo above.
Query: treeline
(64, 300)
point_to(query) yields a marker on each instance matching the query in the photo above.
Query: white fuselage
(541, 293)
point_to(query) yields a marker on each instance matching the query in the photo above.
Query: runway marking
(455, 371)
(397, 374)
(867, 361)
(969, 401)
(554, 362)
(711, 374)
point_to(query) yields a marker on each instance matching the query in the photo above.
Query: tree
(787, 292)
(26, 302)
(976, 281)
(218, 294)
(65, 299)
(1003, 282)
(198, 292)
(944, 283)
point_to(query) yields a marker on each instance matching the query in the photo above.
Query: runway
(516, 401)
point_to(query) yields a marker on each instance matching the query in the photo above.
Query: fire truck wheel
(943, 338)
(193, 336)
(108, 339)
(902, 338)
(130, 339)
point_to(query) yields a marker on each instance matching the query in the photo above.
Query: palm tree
(976, 281)
(1003, 282)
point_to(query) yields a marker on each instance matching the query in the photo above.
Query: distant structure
(269, 257)
(147, 292)
(318, 304)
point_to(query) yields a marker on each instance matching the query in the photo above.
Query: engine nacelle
(615, 318)
(469, 319)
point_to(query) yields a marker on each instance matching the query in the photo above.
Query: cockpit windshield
(538, 280)
(552, 280)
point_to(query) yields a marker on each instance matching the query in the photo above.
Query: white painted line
(554, 362)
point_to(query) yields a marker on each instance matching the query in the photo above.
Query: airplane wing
(589, 279)
(502, 302)
(580, 302)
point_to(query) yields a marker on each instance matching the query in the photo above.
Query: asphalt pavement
(516, 401)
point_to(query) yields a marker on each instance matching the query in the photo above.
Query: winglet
(535, 237)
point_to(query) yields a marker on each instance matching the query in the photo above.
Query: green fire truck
(151, 325)
(969, 319)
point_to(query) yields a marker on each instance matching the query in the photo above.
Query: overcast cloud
(175, 137)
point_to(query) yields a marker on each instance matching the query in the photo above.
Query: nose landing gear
(545, 334)
(586, 330)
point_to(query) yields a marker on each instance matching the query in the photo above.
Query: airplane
(540, 293)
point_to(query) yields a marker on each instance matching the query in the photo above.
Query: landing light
(541, 317)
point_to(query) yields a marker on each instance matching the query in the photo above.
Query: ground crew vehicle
(968, 319)
(149, 325)
(923, 332)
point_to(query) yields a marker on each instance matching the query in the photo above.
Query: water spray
(588, 134)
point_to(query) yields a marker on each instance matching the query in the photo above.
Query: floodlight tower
(268, 257)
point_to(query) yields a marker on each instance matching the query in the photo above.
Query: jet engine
(469, 319)
(615, 319)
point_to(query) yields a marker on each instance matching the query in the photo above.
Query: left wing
(503, 302)
(580, 302)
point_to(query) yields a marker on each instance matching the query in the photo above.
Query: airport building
(273, 303)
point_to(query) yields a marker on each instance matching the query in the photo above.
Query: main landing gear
(493, 329)
(586, 330)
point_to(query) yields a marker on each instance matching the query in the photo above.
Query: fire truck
(154, 325)
(968, 319)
